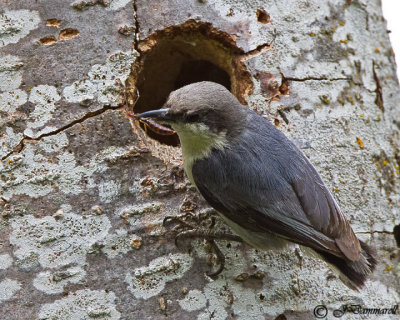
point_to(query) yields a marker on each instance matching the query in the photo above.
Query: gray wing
(268, 185)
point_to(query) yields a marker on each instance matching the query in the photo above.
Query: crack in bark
(257, 50)
(260, 48)
(137, 27)
(20, 146)
(317, 79)
(378, 90)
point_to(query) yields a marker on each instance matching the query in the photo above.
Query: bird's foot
(189, 226)
(190, 221)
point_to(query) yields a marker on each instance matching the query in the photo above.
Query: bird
(258, 181)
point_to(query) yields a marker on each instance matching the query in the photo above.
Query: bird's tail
(353, 273)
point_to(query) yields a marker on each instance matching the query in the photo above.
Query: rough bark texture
(83, 197)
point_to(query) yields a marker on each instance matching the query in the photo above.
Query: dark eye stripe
(192, 118)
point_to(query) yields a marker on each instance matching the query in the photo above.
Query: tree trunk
(83, 197)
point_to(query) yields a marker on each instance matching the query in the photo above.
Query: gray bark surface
(83, 197)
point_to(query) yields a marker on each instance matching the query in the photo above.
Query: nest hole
(396, 232)
(181, 55)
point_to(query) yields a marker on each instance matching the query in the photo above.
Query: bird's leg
(185, 221)
(189, 226)
(220, 258)
(206, 234)
(210, 236)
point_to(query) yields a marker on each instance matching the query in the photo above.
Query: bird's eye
(194, 117)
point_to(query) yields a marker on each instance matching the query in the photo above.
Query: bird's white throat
(197, 141)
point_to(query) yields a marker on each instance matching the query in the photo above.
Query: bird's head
(200, 109)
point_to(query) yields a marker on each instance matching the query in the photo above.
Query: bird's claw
(220, 259)
(178, 221)
(190, 222)
(210, 239)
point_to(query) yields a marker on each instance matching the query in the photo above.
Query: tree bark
(83, 197)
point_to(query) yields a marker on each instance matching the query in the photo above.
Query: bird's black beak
(160, 115)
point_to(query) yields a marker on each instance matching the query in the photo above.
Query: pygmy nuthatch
(260, 183)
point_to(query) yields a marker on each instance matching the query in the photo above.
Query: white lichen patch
(54, 282)
(5, 261)
(194, 300)
(16, 24)
(54, 143)
(101, 85)
(31, 173)
(120, 243)
(112, 154)
(83, 305)
(11, 100)
(147, 282)
(8, 287)
(58, 242)
(44, 98)
(137, 210)
(10, 140)
(117, 4)
(133, 213)
(80, 90)
(10, 73)
(216, 303)
(108, 190)
(34, 173)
